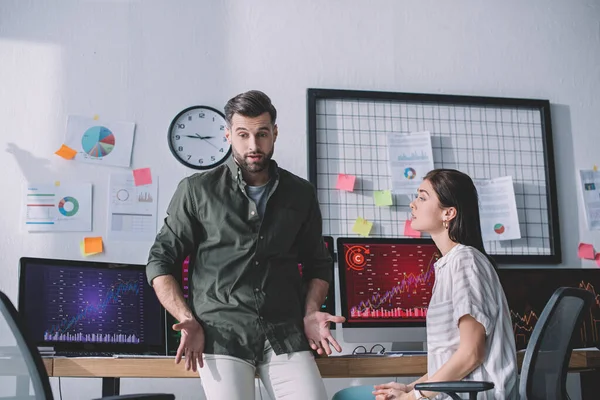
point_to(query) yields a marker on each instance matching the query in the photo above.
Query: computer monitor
(90, 306)
(385, 289)
(528, 290)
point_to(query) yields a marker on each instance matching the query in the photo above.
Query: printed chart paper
(410, 158)
(498, 209)
(100, 142)
(132, 210)
(57, 207)
(590, 187)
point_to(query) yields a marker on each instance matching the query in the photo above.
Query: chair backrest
(544, 369)
(20, 361)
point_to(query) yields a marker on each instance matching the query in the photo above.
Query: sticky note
(92, 245)
(56, 183)
(82, 248)
(409, 231)
(595, 168)
(362, 227)
(383, 198)
(96, 117)
(585, 251)
(66, 152)
(345, 182)
(142, 176)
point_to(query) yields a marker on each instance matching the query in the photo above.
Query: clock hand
(196, 136)
(204, 137)
(213, 145)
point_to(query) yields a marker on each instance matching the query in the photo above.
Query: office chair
(544, 369)
(355, 393)
(20, 358)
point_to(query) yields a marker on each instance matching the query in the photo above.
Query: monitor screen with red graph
(528, 290)
(386, 282)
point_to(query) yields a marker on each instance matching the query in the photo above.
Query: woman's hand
(391, 391)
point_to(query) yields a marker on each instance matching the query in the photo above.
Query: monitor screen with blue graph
(386, 282)
(77, 305)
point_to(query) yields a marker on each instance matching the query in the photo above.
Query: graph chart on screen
(386, 282)
(87, 306)
(528, 290)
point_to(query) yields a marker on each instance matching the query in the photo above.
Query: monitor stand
(409, 346)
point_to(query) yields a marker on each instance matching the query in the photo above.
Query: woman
(469, 330)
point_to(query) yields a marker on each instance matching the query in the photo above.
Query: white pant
(292, 376)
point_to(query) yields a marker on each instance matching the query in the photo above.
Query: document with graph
(132, 210)
(57, 207)
(100, 142)
(498, 209)
(590, 187)
(410, 158)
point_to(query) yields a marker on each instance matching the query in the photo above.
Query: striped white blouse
(466, 283)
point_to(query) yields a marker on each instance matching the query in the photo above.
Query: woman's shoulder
(463, 255)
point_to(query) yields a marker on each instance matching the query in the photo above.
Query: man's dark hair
(250, 104)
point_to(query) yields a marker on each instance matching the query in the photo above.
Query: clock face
(197, 137)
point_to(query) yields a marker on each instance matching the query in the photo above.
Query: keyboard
(83, 354)
(361, 355)
(141, 356)
(406, 353)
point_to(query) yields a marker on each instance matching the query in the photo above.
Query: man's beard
(253, 166)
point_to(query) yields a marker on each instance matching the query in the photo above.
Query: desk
(111, 369)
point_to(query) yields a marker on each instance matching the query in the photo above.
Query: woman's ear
(450, 213)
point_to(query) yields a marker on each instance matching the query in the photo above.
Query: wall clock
(197, 138)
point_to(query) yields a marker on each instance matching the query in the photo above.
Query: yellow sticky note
(595, 168)
(96, 117)
(66, 152)
(56, 183)
(362, 227)
(92, 245)
(383, 197)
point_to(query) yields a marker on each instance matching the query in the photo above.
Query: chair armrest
(456, 386)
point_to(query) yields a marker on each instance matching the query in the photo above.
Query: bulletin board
(485, 137)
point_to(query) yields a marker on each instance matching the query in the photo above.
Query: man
(246, 225)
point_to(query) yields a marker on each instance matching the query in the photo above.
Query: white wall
(144, 61)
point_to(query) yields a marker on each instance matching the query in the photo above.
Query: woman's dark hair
(250, 104)
(456, 189)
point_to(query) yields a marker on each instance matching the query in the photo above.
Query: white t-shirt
(467, 284)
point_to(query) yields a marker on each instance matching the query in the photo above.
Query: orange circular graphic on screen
(355, 257)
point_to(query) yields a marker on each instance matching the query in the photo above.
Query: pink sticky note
(409, 231)
(142, 176)
(345, 182)
(585, 251)
(598, 259)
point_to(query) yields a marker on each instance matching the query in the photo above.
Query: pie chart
(410, 173)
(68, 206)
(499, 229)
(98, 141)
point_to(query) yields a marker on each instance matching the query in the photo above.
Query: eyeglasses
(363, 350)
